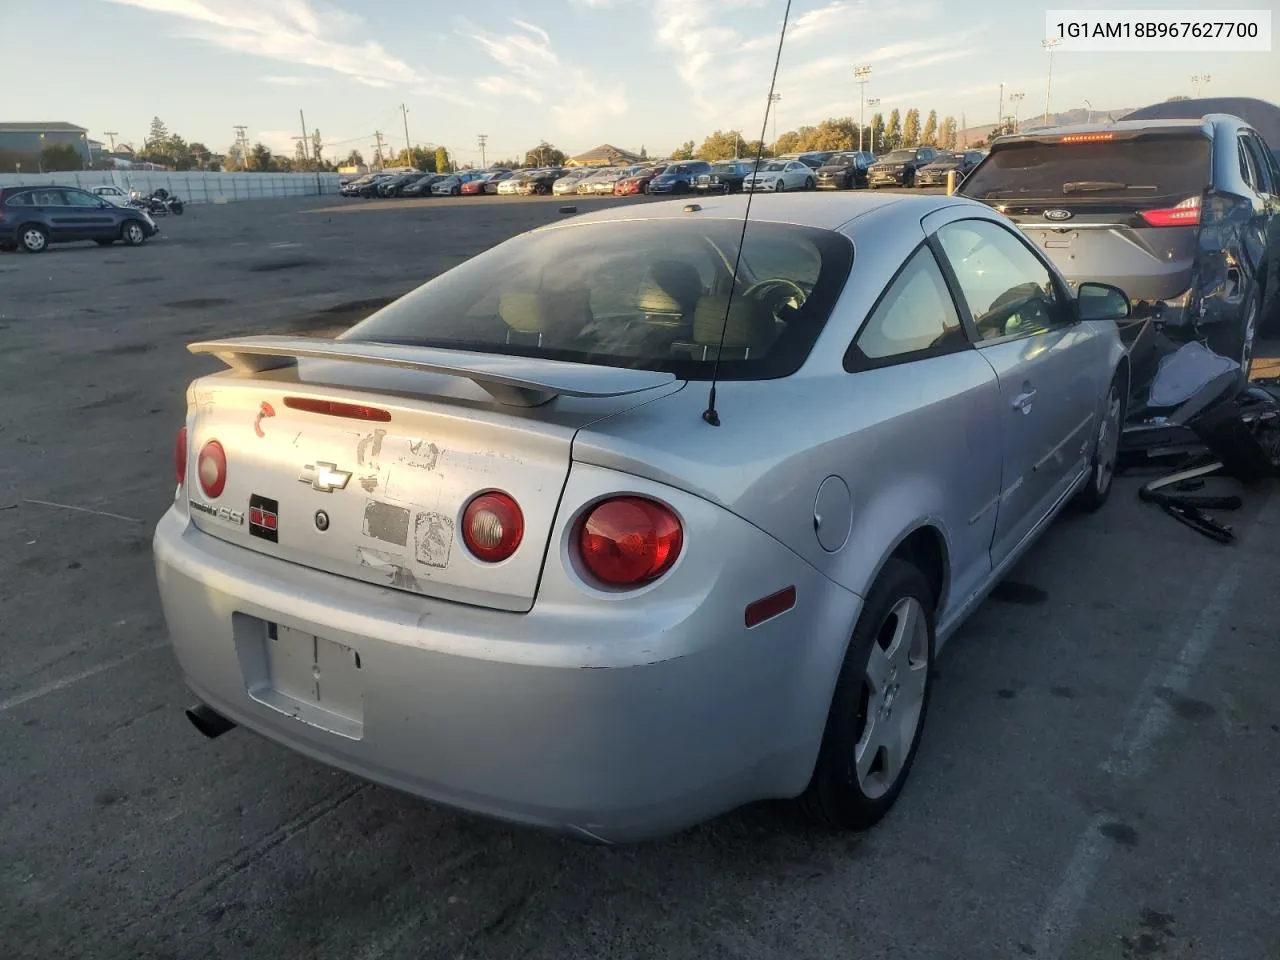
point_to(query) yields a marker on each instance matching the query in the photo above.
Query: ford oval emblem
(1057, 214)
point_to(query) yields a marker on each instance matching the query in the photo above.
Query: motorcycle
(157, 203)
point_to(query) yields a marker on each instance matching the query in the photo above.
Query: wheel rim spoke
(895, 683)
(878, 668)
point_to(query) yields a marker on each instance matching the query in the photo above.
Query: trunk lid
(375, 490)
(1091, 202)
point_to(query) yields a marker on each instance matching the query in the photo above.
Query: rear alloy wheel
(1106, 450)
(34, 238)
(809, 184)
(133, 234)
(879, 706)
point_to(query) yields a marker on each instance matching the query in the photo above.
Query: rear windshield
(1139, 169)
(646, 294)
(899, 156)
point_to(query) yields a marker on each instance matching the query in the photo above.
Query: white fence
(190, 187)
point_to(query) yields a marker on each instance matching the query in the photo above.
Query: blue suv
(34, 217)
(679, 177)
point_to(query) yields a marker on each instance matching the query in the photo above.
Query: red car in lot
(473, 187)
(636, 183)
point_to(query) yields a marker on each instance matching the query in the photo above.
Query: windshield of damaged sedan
(647, 294)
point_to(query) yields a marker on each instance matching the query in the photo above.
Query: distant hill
(1079, 115)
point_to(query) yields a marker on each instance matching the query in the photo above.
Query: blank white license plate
(306, 677)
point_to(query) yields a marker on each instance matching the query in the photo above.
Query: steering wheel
(795, 300)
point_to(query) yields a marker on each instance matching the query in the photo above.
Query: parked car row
(829, 169)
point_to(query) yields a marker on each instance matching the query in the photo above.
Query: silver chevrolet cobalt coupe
(500, 545)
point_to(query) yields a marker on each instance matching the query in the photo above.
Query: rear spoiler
(510, 380)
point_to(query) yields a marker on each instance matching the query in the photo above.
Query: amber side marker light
(766, 608)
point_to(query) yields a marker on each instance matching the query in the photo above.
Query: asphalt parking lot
(1097, 778)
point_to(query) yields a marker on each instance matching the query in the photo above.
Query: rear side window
(18, 200)
(1140, 168)
(916, 315)
(1258, 152)
(648, 295)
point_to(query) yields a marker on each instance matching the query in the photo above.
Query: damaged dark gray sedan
(1184, 215)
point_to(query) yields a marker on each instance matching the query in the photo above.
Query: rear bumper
(616, 727)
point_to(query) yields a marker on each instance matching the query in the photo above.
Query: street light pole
(860, 75)
(873, 103)
(1088, 115)
(1049, 45)
(1199, 80)
(1015, 99)
(774, 98)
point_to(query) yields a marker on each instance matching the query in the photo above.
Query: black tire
(33, 238)
(133, 233)
(1106, 448)
(1235, 343)
(835, 798)
(809, 184)
(104, 243)
(455, 191)
(178, 207)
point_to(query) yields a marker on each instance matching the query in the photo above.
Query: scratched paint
(433, 538)
(369, 483)
(386, 522)
(370, 446)
(422, 454)
(393, 566)
(264, 411)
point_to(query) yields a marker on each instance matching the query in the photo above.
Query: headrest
(750, 324)
(549, 312)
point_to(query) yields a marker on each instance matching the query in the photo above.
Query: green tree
(685, 152)
(947, 133)
(930, 135)
(721, 145)
(443, 163)
(199, 153)
(58, 157)
(317, 146)
(300, 158)
(788, 142)
(644, 154)
(544, 155)
(877, 132)
(234, 159)
(260, 158)
(752, 148)
(1172, 99)
(834, 133)
(354, 159)
(911, 128)
(893, 131)
(158, 136)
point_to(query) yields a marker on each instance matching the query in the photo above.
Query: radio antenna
(710, 415)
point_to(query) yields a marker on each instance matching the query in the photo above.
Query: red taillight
(1185, 214)
(1087, 137)
(211, 467)
(180, 456)
(336, 408)
(492, 526)
(629, 541)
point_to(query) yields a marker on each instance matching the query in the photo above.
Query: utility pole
(1016, 98)
(408, 147)
(964, 130)
(483, 139)
(306, 140)
(860, 75)
(112, 134)
(999, 114)
(377, 148)
(1199, 80)
(242, 141)
(1048, 87)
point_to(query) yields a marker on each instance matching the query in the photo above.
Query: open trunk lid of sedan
(361, 459)
(1121, 207)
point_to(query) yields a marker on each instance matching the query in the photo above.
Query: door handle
(1023, 400)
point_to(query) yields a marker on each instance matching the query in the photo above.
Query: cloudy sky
(574, 72)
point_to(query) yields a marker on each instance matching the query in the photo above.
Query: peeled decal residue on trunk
(433, 536)
(393, 566)
(386, 522)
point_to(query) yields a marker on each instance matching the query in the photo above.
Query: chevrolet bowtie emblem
(325, 477)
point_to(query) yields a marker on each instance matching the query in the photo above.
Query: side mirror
(1101, 301)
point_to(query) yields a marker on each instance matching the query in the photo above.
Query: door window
(48, 198)
(78, 198)
(1009, 291)
(1258, 154)
(1247, 169)
(915, 317)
